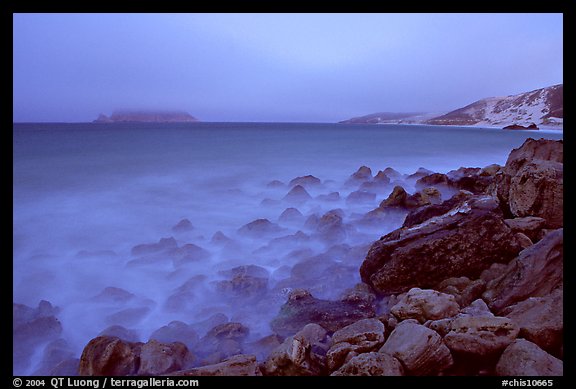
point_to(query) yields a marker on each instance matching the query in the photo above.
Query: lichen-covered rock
(481, 336)
(371, 364)
(301, 354)
(536, 272)
(421, 350)
(302, 308)
(425, 304)
(524, 358)
(237, 365)
(462, 242)
(541, 320)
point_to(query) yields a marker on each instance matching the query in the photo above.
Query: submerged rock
(163, 244)
(259, 228)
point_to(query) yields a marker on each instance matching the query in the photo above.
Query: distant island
(146, 117)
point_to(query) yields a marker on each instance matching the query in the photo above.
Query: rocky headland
(146, 117)
(471, 285)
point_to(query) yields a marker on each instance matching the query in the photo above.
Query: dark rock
(382, 177)
(189, 253)
(297, 195)
(237, 365)
(331, 227)
(391, 173)
(244, 286)
(531, 226)
(235, 331)
(302, 308)
(462, 242)
(420, 215)
(220, 239)
(425, 304)
(264, 346)
(183, 225)
(163, 244)
(433, 179)
(333, 196)
(221, 342)
(524, 358)
(421, 172)
(536, 272)
(532, 126)
(246, 270)
(120, 332)
(397, 198)
(309, 181)
(113, 295)
(259, 228)
(364, 173)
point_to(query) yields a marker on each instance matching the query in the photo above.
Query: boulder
(188, 253)
(371, 364)
(524, 358)
(463, 289)
(531, 151)
(301, 354)
(480, 336)
(421, 172)
(332, 196)
(420, 215)
(421, 350)
(291, 215)
(183, 225)
(309, 181)
(160, 358)
(361, 196)
(113, 295)
(360, 337)
(109, 356)
(302, 308)
(425, 304)
(176, 331)
(331, 227)
(121, 332)
(462, 242)
(538, 190)
(434, 179)
(259, 228)
(244, 286)
(221, 342)
(164, 244)
(397, 198)
(364, 173)
(297, 195)
(237, 365)
(536, 272)
(541, 320)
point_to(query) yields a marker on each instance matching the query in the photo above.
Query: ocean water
(85, 194)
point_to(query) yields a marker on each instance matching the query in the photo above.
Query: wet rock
(221, 342)
(128, 316)
(160, 358)
(360, 294)
(541, 320)
(163, 244)
(219, 238)
(364, 173)
(203, 326)
(536, 272)
(246, 270)
(302, 308)
(490, 170)
(392, 173)
(308, 181)
(425, 304)
(397, 198)
(264, 346)
(291, 215)
(463, 289)
(421, 350)
(189, 253)
(120, 332)
(461, 242)
(297, 195)
(176, 331)
(421, 172)
(113, 295)
(531, 226)
(237, 365)
(109, 356)
(232, 330)
(244, 286)
(371, 364)
(422, 214)
(382, 178)
(183, 225)
(524, 358)
(480, 336)
(361, 196)
(259, 228)
(301, 354)
(331, 227)
(312, 221)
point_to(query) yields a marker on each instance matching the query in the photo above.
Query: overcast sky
(276, 67)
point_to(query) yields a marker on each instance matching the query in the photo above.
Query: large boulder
(371, 364)
(528, 185)
(462, 242)
(303, 308)
(524, 358)
(541, 320)
(109, 356)
(421, 350)
(536, 272)
(238, 365)
(160, 358)
(425, 304)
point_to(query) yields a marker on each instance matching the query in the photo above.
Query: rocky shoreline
(472, 285)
